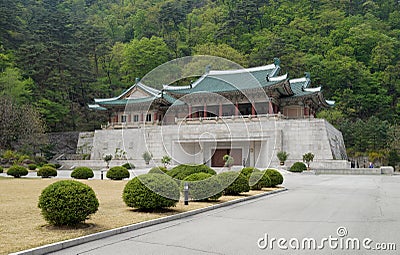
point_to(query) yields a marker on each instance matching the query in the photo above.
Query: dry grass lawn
(22, 226)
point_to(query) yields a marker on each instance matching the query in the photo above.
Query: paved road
(314, 207)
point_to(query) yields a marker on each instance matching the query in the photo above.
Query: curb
(96, 236)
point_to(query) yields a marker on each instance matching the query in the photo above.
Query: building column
(205, 111)
(236, 109)
(155, 117)
(190, 112)
(253, 110)
(141, 117)
(220, 110)
(270, 107)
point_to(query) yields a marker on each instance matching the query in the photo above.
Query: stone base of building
(251, 142)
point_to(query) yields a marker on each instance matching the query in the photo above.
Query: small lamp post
(186, 193)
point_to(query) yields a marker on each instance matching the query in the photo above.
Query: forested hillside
(58, 55)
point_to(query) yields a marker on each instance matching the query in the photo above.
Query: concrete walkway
(365, 208)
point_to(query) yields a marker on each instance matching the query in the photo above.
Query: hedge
(275, 176)
(180, 172)
(233, 183)
(117, 173)
(32, 166)
(298, 167)
(158, 170)
(151, 191)
(203, 186)
(129, 166)
(82, 173)
(67, 202)
(17, 171)
(47, 171)
(259, 180)
(247, 171)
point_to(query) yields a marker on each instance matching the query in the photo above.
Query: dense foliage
(259, 180)
(151, 191)
(58, 55)
(47, 171)
(32, 166)
(17, 171)
(180, 172)
(203, 186)
(67, 202)
(275, 176)
(158, 170)
(82, 173)
(129, 165)
(117, 173)
(298, 167)
(233, 183)
(247, 171)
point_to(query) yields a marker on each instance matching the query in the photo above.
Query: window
(148, 117)
(136, 118)
(123, 118)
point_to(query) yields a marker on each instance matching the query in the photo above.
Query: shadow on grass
(78, 226)
(160, 210)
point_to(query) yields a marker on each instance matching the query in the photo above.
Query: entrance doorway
(217, 158)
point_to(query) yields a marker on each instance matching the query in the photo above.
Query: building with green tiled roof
(250, 114)
(250, 92)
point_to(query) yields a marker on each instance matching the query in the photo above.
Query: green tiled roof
(227, 83)
(298, 88)
(128, 101)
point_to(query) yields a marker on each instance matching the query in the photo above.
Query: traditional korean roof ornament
(277, 61)
(208, 69)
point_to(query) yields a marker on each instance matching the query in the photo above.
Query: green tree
(13, 85)
(141, 56)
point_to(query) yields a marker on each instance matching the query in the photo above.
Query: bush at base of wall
(47, 172)
(117, 173)
(82, 173)
(298, 167)
(17, 171)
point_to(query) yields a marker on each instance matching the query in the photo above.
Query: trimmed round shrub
(17, 171)
(203, 186)
(298, 167)
(67, 202)
(158, 170)
(32, 166)
(151, 191)
(51, 165)
(47, 172)
(1, 169)
(275, 176)
(180, 172)
(129, 165)
(117, 173)
(259, 180)
(233, 183)
(247, 171)
(82, 173)
(57, 165)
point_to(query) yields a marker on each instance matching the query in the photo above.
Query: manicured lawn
(22, 226)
